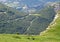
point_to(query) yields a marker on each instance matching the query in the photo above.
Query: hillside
(40, 26)
(13, 21)
(51, 35)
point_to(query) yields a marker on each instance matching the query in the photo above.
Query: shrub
(17, 37)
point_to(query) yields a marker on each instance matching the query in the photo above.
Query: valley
(30, 21)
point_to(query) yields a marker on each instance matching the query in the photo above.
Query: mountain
(51, 34)
(27, 5)
(13, 21)
(30, 24)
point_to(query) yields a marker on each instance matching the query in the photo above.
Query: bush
(28, 38)
(33, 38)
(17, 37)
(17, 33)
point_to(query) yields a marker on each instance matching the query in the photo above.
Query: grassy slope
(52, 35)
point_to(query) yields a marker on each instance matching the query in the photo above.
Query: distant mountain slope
(14, 21)
(27, 4)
